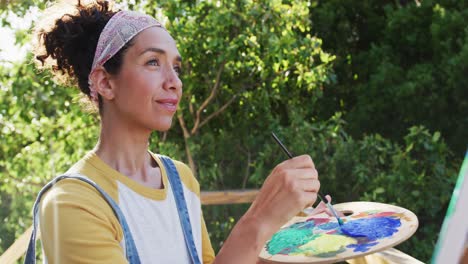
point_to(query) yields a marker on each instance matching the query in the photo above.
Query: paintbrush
(325, 200)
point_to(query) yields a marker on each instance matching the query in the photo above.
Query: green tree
(43, 133)
(247, 57)
(399, 64)
(252, 67)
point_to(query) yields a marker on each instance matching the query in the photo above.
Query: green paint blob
(286, 240)
(325, 244)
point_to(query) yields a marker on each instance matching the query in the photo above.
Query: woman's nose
(172, 80)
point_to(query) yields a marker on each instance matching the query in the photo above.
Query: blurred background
(374, 90)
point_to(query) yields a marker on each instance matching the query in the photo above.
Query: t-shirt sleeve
(208, 254)
(78, 226)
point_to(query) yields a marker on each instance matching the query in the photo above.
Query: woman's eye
(153, 63)
(178, 70)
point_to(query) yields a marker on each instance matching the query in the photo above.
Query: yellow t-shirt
(78, 226)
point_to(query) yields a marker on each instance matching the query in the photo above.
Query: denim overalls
(130, 248)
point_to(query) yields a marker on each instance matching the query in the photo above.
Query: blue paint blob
(329, 226)
(372, 228)
(362, 247)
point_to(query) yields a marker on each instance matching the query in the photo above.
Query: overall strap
(178, 191)
(130, 248)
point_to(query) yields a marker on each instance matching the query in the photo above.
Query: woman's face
(147, 89)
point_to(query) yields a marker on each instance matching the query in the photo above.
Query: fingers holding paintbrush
(321, 208)
(325, 200)
(291, 186)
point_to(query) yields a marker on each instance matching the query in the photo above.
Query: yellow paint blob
(325, 243)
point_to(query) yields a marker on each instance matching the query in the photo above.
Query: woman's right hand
(291, 186)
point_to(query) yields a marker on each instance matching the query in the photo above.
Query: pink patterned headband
(119, 30)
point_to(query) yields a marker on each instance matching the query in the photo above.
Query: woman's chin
(163, 126)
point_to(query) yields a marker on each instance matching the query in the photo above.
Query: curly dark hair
(67, 44)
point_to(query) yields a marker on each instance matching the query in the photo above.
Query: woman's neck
(126, 151)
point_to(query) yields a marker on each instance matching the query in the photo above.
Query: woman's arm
(291, 186)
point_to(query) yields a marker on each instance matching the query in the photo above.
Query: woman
(128, 65)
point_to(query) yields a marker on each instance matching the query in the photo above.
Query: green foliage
(398, 65)
(252, 67)
(43, 133)
(418, 175)
(19, 6)
(220, 219)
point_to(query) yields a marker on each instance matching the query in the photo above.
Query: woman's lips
(168, 104)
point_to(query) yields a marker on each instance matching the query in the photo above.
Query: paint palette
(368, 227)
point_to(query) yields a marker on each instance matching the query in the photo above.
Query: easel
(452, 246)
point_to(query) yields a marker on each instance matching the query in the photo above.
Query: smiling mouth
(169, 105)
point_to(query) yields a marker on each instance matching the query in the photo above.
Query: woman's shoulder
(71, 199)
(73, 214)
(69, 191)
(73, 192)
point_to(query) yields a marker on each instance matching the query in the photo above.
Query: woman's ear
(101, 82)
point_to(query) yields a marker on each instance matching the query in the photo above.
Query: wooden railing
(228, 197)
(390, 256)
